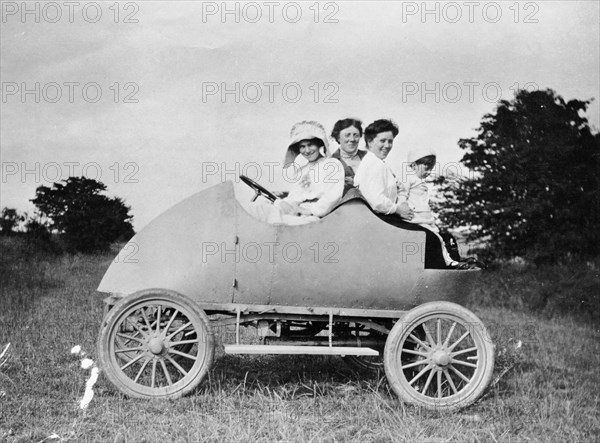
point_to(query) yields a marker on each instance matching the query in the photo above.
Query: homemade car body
(349, 284)
(350, 262)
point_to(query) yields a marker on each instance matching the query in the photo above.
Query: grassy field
(548, 390)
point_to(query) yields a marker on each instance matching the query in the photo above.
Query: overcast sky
(133, 95)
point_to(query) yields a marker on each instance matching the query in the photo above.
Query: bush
(9, 220)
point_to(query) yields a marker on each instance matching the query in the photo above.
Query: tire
(366, 364)
(141, 342)
(439, 356)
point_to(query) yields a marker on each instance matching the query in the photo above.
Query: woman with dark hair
(374, 178)
(347, 133)
(378, 185)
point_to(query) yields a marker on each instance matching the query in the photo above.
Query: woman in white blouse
(374, 178)
(318, 183)
(378, 185)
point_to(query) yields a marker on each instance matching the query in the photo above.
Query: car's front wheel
(156, 344)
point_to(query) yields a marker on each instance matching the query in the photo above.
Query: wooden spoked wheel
(156, 344)
(439, 356)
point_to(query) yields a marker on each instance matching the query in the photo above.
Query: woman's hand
(280, 194)
(292, 209)
(404, 211)
(286, 207)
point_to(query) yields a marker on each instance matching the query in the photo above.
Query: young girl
(414, 190)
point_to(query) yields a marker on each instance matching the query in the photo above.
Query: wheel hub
(441, 358)
(156, 346)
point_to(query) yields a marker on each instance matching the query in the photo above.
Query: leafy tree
(9, 219)
(87, 219)
(534, 186)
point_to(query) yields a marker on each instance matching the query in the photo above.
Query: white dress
(415, 191)
(317, 186)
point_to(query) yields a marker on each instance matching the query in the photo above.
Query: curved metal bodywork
(211, 250)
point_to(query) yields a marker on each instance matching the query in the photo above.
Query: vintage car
(350, 284)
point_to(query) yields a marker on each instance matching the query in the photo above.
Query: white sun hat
(416, 153)
(305, 130)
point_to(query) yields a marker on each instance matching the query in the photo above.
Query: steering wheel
(258, 189)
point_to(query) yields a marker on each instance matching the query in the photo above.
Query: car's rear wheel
(439, 356)
(371, 365)
(365, 363)
(156, 344)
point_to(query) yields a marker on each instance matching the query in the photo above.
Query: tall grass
(546, 392)
(570, 289)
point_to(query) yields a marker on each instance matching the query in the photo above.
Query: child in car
(414, 190)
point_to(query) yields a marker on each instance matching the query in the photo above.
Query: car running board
(287, 349)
